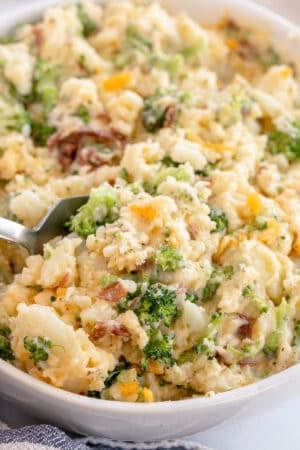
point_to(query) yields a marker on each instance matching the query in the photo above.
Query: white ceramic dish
(144, 422)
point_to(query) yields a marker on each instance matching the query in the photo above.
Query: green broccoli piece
(169, 259)
(13, 116)
(281, 142)
(159, 348)
(83, 113)
(172, 64)
(214, 281)
(220, 219)
(136, 40)
(41, 131)
(102, 207)
(153, 115)
(45, 89)
(261, 304)
(6, 352)
(124, 174)
(274, 340)
(88, 25)
(192, 52)
(156, 303)
(108, 279)
(206, 344)
(38, 348)
(179, 173)
(207, 169)
(191, 297)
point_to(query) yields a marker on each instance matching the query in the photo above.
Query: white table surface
(272, 422)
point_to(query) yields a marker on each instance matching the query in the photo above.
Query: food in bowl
(180, 275)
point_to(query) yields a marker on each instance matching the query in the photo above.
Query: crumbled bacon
(248, 362)
(105, 117)
(71, 147)
(193, 231)
(170, 116)
(110, 327)
(38, 35)
(113, 293)
(245, 330)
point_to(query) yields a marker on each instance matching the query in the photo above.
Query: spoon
(52, 225)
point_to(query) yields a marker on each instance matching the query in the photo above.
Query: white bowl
(133, 421)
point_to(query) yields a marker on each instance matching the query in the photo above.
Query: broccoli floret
(83, 113)
(38, 348)
(281, 142)
(261, 304)
(124, 174)
(220, 219)
(159, 348)
(6, 352)
(153, 115)
(192, 297)
(88, 25)
(274, 340)
(206, 345)
(156, 303)
(179, 173)
(13, 117)
(102, 207)
(169, 259)
(41, 131)
(45, 88)
(214, 281)
(207, 169)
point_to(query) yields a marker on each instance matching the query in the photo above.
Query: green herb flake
(83, 113)
(88, 25)
(38, 348)
(220, 219)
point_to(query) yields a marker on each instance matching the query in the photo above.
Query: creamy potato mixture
(180, 275)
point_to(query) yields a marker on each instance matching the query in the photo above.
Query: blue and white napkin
(47, 437)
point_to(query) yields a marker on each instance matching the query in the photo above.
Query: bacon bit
(193, 231)
(245, 330)
(181, 290)
(110, 327)
(247, 50)
(170, 116)
(266, 124)
(70, 147)
(38, 35)
(105, 117)
(113, 293)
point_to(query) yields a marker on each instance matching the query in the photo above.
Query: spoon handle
(15, 232)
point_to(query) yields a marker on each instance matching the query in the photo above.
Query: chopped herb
(83, 113)
(38, 348)
(169, 259)
(124, 174)
(220, 219)
(88, 25)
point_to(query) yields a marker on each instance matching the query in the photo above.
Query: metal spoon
(51, 225)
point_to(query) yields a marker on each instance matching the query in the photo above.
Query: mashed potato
(180, 276)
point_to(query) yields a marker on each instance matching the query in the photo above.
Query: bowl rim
(26, 381)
